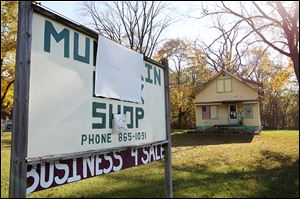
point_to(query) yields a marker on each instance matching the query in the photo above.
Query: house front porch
(229, 128)
(228, 116)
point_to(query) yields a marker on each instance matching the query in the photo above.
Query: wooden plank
(78, 27)
(18, 166)
(168, 159)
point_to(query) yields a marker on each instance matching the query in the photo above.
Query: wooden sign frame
(19, 163)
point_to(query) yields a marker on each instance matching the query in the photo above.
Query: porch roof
(226, 102)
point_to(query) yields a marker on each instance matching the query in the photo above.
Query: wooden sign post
(18, 166)
(168, 159)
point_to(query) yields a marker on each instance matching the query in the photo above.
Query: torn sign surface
(119, 124)
(118, 71)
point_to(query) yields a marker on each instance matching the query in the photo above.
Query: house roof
(253, 82)
(246, 81)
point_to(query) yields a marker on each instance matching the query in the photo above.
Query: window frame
(251, 111)
(208, 108)
(223, 79)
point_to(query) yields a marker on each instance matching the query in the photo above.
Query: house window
(209, 112)
(205, 112)
(224, 85)
(220, 86)
(228, 85)
(248, 111)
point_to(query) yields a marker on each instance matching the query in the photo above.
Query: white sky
(185, 28)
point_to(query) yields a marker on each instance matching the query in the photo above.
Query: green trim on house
(251, 111)
(248, 129)
(203, 128)
(228, 116)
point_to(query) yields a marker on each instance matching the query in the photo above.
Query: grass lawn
(204, 165)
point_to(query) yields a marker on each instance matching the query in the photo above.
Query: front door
(233, 118)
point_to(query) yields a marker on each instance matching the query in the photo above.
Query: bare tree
(275, 23)
(225, 51)
(135, 24)
(258, 65)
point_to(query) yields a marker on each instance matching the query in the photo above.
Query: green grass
(204, 165)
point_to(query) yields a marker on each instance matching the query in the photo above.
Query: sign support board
(168, 159)
(18, 166)
(88, 153)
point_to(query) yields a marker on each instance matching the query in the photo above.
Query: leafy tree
(187, 71)
(177, 51)
(280, 101)
(8, 48)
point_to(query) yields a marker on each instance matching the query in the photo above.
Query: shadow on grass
(198, 139)
(125, 185)
(258, 180)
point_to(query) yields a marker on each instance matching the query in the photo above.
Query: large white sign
(64, 114)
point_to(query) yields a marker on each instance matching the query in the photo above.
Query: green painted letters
(111, 114)
(64, 34)
(157, 77)
(130, 110)
(101, 125)
(86, 57)
(139, 114)
(83, 138)
(148, 79)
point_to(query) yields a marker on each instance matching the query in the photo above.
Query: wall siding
(240, 91)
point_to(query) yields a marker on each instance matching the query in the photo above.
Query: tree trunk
(295, 60)
(5, 92)
(179, 122)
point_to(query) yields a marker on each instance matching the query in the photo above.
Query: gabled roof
(253, 82)
(246, 81)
